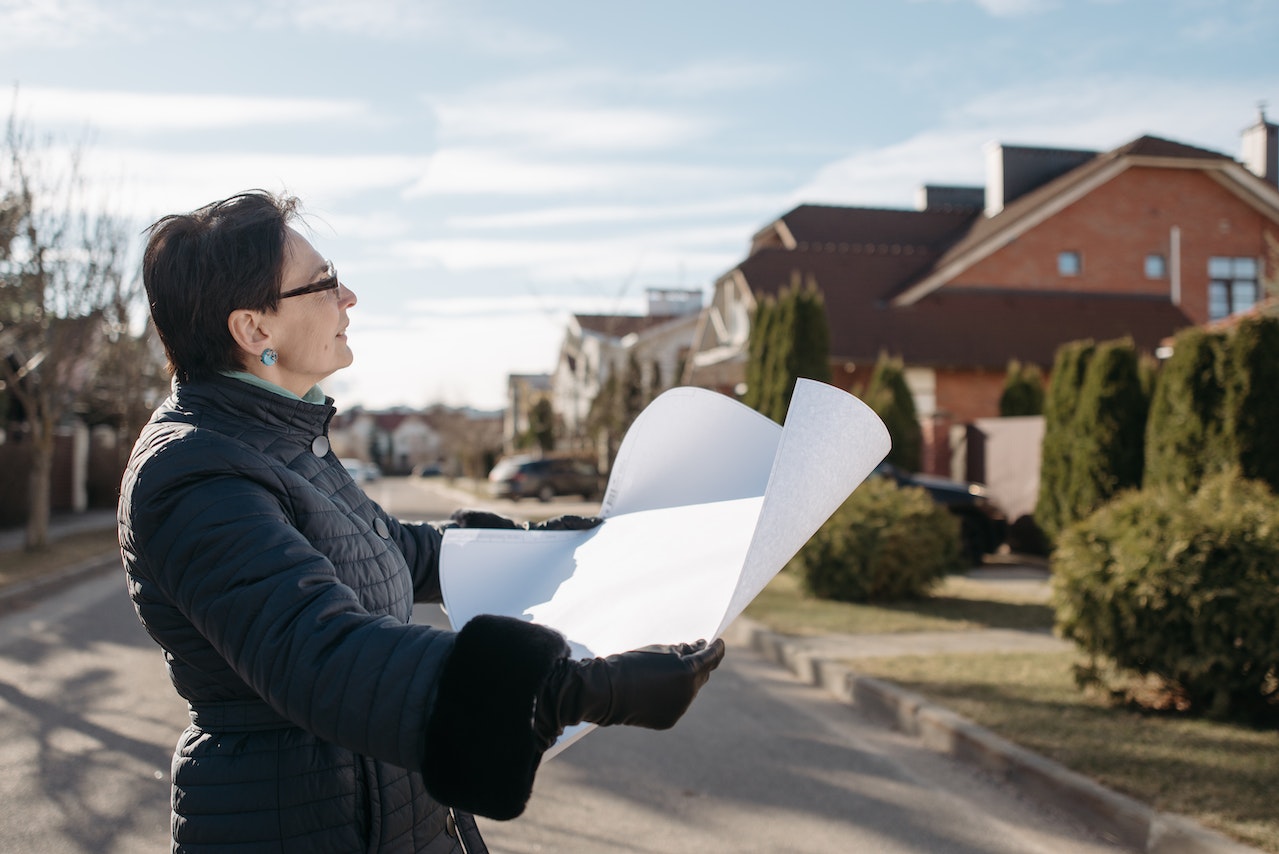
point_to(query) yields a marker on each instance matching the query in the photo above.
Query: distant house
(596, 345)
(460, 442)
(1059, 245)
(523, 392)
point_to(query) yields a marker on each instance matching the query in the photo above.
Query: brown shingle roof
(815, 226)
(954, 328)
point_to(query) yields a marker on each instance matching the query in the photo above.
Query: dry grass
(64, 553)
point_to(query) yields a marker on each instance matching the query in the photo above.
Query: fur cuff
(481, 752)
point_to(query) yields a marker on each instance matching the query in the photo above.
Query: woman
(321, 719)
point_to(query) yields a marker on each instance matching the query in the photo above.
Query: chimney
(1261, 149)
(1014, 170)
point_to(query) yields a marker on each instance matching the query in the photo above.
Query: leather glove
(649, 687)
(485, 519)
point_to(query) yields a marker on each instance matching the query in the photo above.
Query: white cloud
(548, 217)
(566, 127)
(143, 113)
(480, 171)
(1015, 8)
(700, 254)
(1100, 114)
(52, 23)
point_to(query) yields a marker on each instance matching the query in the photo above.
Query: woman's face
(308, 331)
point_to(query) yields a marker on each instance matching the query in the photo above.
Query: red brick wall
(966, 395)
(1116, 225)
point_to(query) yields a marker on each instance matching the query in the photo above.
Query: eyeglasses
(328, 283)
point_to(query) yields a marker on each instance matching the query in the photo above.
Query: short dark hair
(201, 266)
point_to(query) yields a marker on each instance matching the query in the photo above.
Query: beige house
(595, 346)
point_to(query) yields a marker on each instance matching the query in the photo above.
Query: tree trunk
(39, 489)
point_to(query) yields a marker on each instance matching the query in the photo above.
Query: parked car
(360, 471)
(982, 525)
(544, 478)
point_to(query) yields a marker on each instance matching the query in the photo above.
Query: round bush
(1185, 589)
(884, 543)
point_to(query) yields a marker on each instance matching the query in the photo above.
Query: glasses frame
(328, 283)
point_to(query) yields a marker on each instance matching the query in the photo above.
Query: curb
(1118, 818)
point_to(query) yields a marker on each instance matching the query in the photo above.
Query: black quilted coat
(321, 720)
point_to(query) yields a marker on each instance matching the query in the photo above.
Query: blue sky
(478, 170)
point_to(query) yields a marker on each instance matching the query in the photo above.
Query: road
(762, 763)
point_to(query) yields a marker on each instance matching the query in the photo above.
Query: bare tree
(62, 290)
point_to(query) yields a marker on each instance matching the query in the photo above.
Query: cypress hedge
(1053, 508)
(1186, 433)
(889, 396)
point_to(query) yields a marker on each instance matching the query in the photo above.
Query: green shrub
(1023, 392)
(1181, 588)
(884, 543)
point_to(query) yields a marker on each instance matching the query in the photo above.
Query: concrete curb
(1123, 820)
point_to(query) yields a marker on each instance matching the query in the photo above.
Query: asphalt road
(762, 763)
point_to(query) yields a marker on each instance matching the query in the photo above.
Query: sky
(479, 171)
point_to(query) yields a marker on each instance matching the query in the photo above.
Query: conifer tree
(1252, 398)
(1057, 454)
(789, 339)
(889, 396)
(1023, 392)
(1186, 434)
(1109, 431)
(757, 348)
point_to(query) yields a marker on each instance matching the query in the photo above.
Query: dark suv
(544, 478)
(982, 525)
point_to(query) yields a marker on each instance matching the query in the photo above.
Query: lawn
(1223, 775)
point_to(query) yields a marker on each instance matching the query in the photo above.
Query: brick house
(1060, 245)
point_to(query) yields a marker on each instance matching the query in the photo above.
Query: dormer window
(1069, 263)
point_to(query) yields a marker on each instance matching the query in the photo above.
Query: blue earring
(269, 357)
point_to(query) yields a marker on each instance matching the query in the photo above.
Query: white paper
(707, 501)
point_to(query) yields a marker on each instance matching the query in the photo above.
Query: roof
(989, 233)
(817, 226)
(620, 325)
(970, 328)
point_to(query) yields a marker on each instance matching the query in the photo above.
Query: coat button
(320, 445)
(450, 825)
(379, 525)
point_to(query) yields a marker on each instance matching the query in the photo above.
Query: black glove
(485, 519)
(650, 687)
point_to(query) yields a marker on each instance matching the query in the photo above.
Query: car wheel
(545, 494)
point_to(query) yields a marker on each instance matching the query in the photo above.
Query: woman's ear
(246, 328)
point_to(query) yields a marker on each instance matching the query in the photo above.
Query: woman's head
(229, 281)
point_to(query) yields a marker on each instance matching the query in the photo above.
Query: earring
(269, 357)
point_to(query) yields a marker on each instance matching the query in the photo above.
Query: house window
(1156, 266)
(1232, 286)
(1069, 263)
